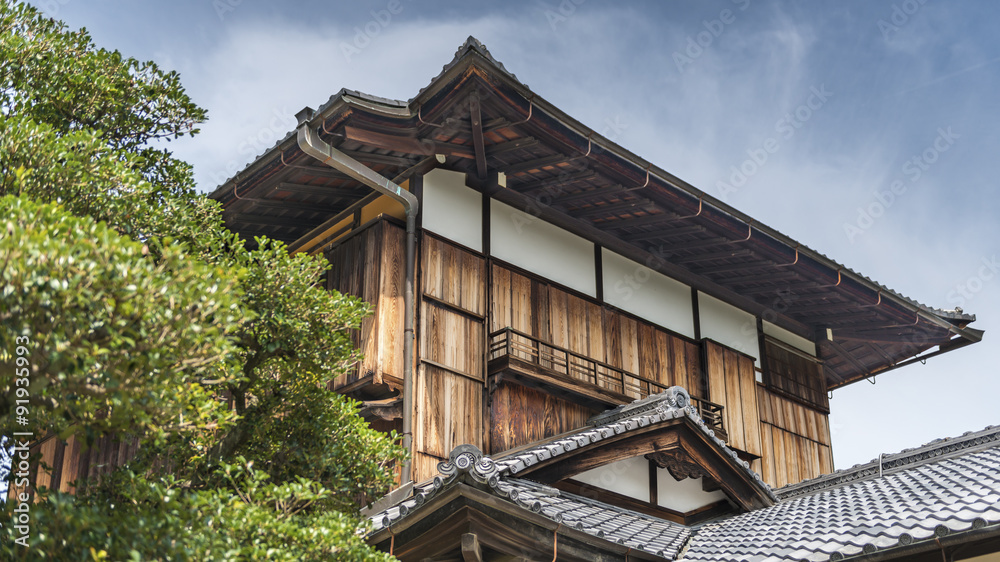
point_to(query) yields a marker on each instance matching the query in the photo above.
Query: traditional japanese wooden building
(556, 275)
(588, 356)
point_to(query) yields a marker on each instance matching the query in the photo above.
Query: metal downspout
(311, 144)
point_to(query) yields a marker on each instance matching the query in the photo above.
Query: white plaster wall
(685, 495)
(542, 248)
(635, 288)
(794, 340)
(729, 326)
(451, 209)
(629, 477)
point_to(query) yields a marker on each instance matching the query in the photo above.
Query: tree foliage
(147, 316)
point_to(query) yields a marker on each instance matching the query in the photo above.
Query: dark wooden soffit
(486, 123)
(441, 529)
(675, 442)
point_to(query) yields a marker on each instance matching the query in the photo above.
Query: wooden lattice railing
(513, 344)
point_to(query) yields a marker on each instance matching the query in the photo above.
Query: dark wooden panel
(357, 270)
(796, 375)
(521, 415)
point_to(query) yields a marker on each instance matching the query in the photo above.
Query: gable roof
(674, 403)
(573, 177)
(602, 521)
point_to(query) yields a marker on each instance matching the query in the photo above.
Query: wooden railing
(513, 344)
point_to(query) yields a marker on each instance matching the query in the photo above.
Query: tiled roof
(946, 487)
(938, 449)
(935, 492)
(635, 530)
(670, 404)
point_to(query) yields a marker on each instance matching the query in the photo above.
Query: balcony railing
(513, 344)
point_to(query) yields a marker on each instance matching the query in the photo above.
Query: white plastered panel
(542, 248)
(729, 326)
(635, 288)
(683, 496)
(629, 477)
(794, 340)
(451, 209)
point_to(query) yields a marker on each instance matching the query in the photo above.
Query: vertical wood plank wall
(65, 462)
(520, 415)
(731, 383)
(566, 320)
(369, 265)
(448, 389)
(795, 440)
(600, 332)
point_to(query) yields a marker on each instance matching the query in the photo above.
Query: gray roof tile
(946, 487)
(927, 492)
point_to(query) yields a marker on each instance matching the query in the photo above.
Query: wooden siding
(521, 415)
(795, 374)
(59, 464)
(731, 383)
(600, 332)
(795, 440)
(448, 390)
(370, 265)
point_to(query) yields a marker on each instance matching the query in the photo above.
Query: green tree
(146, 316)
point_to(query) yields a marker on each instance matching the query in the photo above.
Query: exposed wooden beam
(471, 551)
(658, 219)
(787, 288)
(709, 256)
(407, 144)
(508, 146)
(614, 243)
(531, 186)
(476, 118)
(825, 307)
(846, 356)
(497, 124)
(862, 317)
(663, 234)
(292, 206)
(318, 190)
(888, 338)
(731, 267)
(603, 191)
(535, 164)
(704, 243)
(374, 158)
(639, 204)
(332, 221)
(320, 172)
(266, 220)
(748, 279)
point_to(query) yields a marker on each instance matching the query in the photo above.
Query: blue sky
(881, 117)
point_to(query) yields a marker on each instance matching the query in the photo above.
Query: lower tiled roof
(927, 500)
(900, 502)
(636, 530)
(622, 526)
